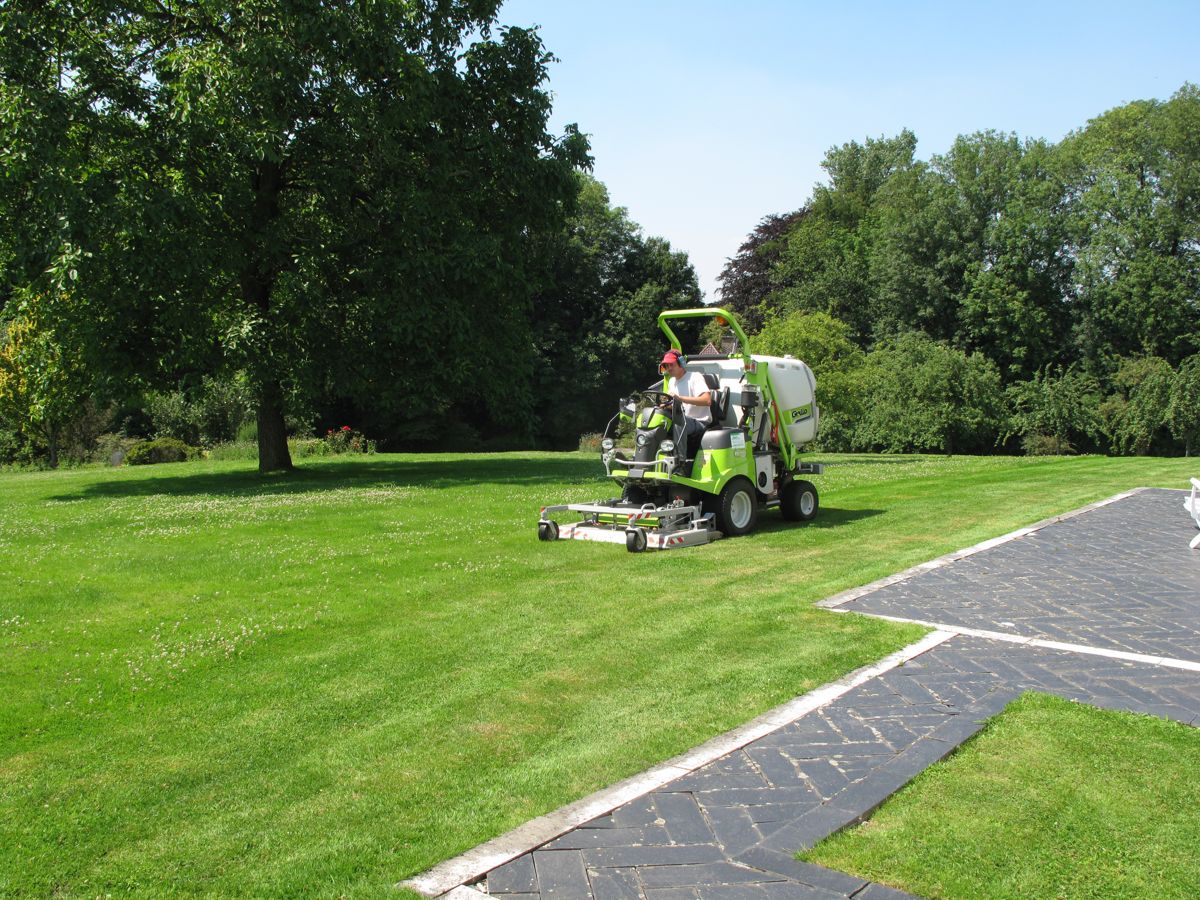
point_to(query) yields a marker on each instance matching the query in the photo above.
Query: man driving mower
(693, 393)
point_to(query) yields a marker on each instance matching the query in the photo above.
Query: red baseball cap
(671, 356)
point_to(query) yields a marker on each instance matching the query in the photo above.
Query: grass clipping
(1052, 799)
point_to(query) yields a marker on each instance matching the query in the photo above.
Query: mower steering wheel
(658, 398)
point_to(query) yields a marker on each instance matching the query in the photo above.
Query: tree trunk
(257, 281)
(273, 455)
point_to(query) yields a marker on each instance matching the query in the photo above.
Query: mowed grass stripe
(327, 682)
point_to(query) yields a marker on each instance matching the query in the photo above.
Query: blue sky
(706, 116)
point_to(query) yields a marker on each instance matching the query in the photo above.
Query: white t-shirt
(691, 385)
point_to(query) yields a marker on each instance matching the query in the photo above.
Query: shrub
(590, 442)
(923, 395)
(173, 417)
(83, 430)
(215, 412)
(1056, 408)
(10, 444)
(224, 406)
(1183, 411)
(1046, 445)
(347, 440)
(112, 448)
(298, 447)
(1135, 416)
(159, 450)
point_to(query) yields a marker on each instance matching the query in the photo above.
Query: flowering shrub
(347, 440)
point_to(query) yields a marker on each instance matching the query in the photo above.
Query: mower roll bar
(705, 312)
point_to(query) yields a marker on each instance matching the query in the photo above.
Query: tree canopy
(334, 198)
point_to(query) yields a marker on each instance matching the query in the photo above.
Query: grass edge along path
(1051, 799)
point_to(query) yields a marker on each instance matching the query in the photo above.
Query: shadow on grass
(827, 517)
(319, 475)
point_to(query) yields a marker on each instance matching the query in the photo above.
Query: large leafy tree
(913, 269)
(826, 264)
(332, 197)
(1134, 199)
(596, 332)
(746, 280)
(1005, 251)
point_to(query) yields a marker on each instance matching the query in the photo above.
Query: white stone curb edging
(447, 878)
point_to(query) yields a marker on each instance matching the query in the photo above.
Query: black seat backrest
(720, 406)
(720, 399)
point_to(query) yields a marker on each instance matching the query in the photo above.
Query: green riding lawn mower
(679, 492)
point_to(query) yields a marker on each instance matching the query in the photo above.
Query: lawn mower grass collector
(678, 493)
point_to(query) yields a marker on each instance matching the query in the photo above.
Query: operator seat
(720, 401)
(718, 409)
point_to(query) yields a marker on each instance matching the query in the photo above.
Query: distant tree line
(1007, 294)
(246, 220)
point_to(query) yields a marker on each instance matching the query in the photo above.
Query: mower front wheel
(635, 540)
(737, 508)
(548, 530)
(799, 501)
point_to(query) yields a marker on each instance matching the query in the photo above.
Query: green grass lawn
(322, 683)
(1052, 799)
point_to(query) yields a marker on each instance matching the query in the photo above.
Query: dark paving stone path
(1120, 577)
(1111, 577)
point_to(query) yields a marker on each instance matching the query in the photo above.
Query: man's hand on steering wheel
(660, 399)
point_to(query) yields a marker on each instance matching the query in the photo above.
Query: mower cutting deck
(648, 527)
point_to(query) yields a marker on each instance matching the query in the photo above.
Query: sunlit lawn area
(1052, 799)
(326, 682)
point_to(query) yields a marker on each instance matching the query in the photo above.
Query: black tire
(635, 540)
(799, 501)
(548, 531)
(737, 508)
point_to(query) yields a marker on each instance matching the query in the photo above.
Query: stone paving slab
(1119, 577)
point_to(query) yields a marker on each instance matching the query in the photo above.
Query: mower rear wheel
(799, 501)
(635, 540)
(548, 530)
(737, 508)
